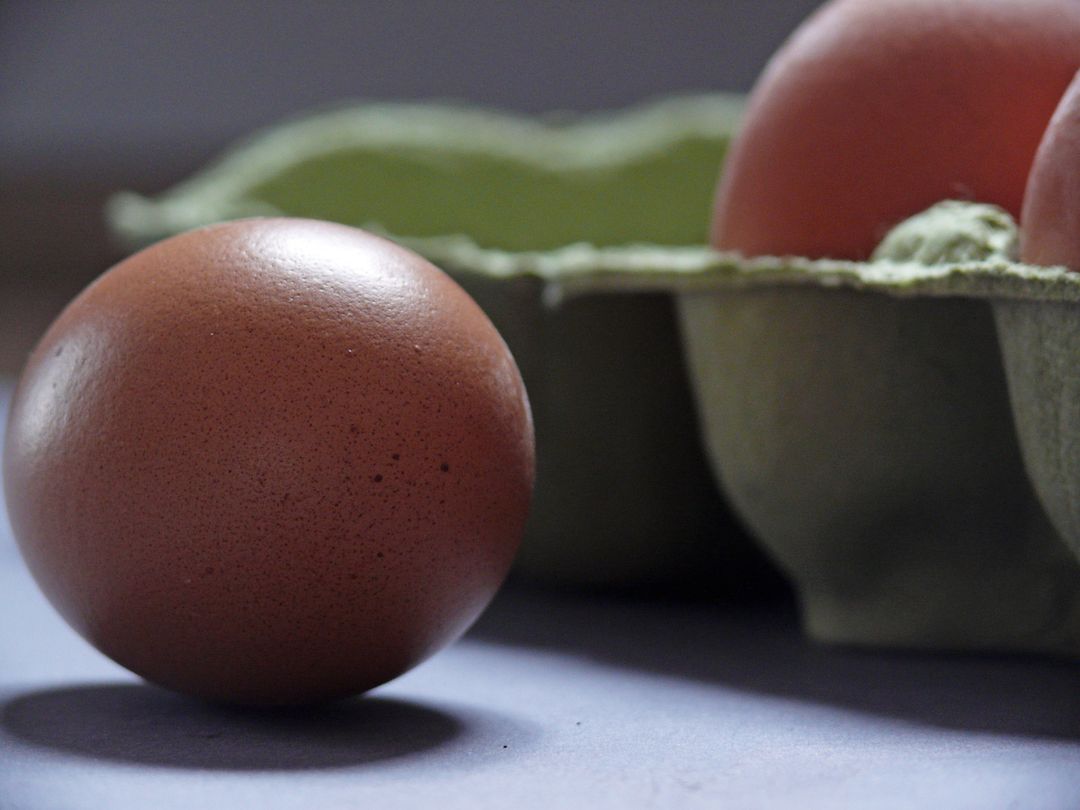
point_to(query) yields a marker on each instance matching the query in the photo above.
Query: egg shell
(1050, 219)
(272, 461)
(873, 111)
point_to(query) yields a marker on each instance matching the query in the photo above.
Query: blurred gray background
(98, 96)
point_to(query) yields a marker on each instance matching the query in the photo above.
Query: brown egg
(273, 461)
(874, 111)
(1050, 219)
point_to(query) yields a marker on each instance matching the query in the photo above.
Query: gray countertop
(551, 701)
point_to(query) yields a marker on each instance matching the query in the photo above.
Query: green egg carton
(506, 204)
(902, 436)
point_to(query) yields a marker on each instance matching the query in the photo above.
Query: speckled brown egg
(270, 462)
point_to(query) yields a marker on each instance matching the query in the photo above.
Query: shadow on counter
(140, 724)
(758, 648)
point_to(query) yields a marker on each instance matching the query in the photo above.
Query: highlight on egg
(874, 111)
(270, 462)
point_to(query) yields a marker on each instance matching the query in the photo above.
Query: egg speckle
(270, 462)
